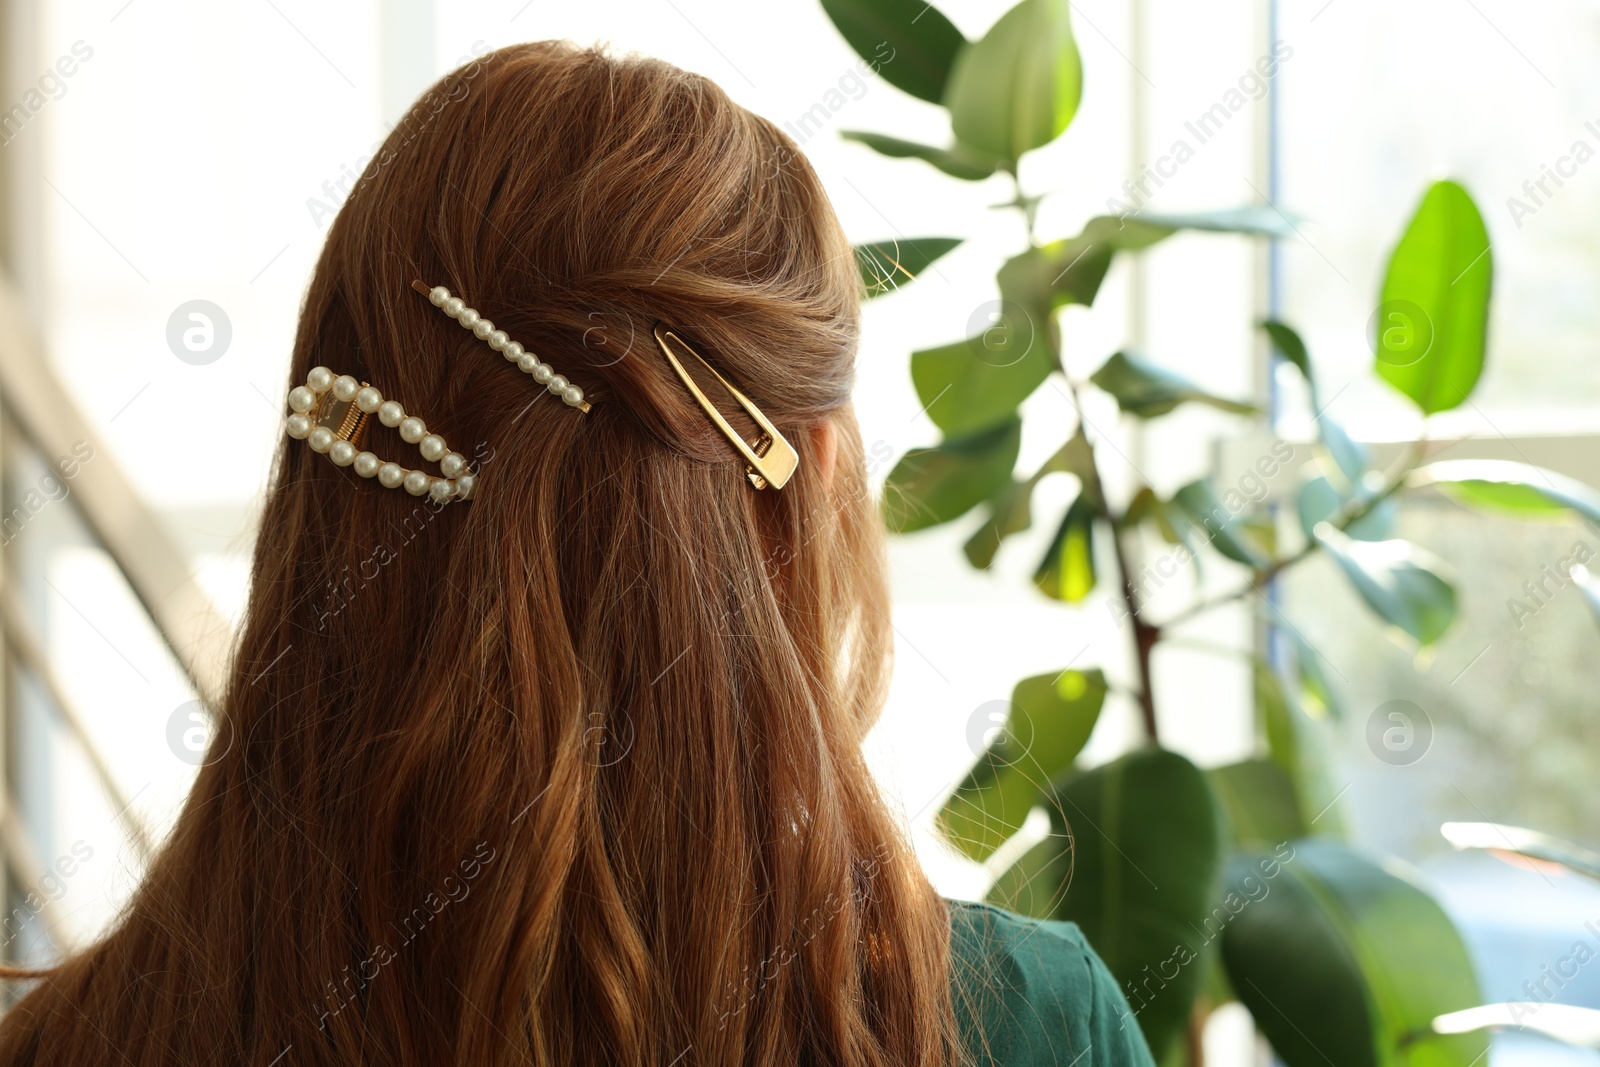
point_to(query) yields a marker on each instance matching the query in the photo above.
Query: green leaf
(1515, 488)
(1277, 721)
(1348, 456)
(1147, 507)
(1144, 507)
(1067, 571)
(1294, 747)
(1432, 324)
(1496, 837)
(1145, 390)
(1010, 512)
(909, 42)
(1288, 344)
(887, 265)
(958, 162)
(1142, 836)
(1318, 501)
(1076, 278)
(1050, 719)
(1219, 522)
(1259, 799)
(1171, 521)
(1071, 270)
(1023, 279)
(1342, 961)
(1401, 582)
(1318, 697)
(975, 384)
(930, 486)
(1018, 87)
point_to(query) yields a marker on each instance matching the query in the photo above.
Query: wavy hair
(569, 773)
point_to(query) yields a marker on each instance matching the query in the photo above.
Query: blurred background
(168, 170)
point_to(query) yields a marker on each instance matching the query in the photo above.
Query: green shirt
(1032, 993)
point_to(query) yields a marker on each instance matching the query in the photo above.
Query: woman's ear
(825, 438)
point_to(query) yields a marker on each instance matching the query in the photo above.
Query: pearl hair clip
(331, 415)
(498, 340)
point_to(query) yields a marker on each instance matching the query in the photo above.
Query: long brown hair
(568, 773)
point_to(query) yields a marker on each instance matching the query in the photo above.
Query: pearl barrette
(331, 415)
(498, 340)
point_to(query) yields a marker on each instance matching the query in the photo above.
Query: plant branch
(1352, 511)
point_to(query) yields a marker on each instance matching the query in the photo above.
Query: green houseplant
(1197, 887)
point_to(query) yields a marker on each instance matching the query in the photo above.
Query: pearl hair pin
(497, 339)
(330, 413)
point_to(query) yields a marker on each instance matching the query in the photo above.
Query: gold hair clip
(770, 458)
(497, 339)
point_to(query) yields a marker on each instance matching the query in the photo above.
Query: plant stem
(1145, 635)
(1194, 1037)
(1029, 208)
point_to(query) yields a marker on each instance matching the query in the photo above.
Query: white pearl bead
(454, 306)
(298, 426)
(469, 318)
(442, 489)
(513, 350)
(320, 439)
(342, 453)
(302, 399)
(345, 388)
(464, 485)
(527, 362)
(319, 379)
(438, 295)
(572, 395)
(452, 464)
(416, 482)
(431, 446)
(482, 329)
(366, 464)
(412, 429)
(391, 475)
(369, 399)
(498, 339)
(542, 373)
(557, 384)
(390, 413)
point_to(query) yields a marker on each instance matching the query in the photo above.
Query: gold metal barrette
(770, 458)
